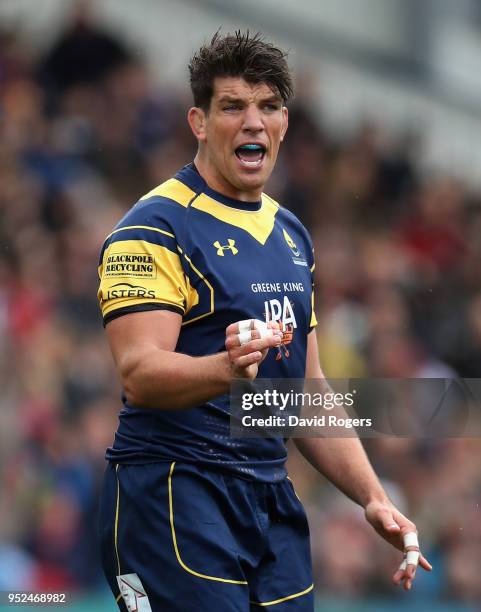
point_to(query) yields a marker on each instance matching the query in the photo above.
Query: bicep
(135, 336)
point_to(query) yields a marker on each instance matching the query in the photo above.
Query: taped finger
(246, 325)
(411, 539)
(244, 337)
(247, 336)
(412, 557)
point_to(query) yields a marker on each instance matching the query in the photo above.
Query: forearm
(344, 462)
(173, 381)
(153, 375)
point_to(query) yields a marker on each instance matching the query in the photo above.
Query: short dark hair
(239, 55)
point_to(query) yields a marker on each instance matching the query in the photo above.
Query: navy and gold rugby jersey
(214, 260)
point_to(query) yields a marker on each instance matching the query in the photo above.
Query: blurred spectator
(398, 282)
(84, 54)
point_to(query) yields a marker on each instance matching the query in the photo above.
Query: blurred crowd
(84, 132)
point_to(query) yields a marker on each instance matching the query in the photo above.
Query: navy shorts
(179, 538)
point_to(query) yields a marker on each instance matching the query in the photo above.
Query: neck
(218, 183)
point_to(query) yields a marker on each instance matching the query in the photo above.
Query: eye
(231, 107)
(271, 106)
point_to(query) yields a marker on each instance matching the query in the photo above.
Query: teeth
(251, 164)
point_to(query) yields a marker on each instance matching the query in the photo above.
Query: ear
(285, 122)
(197, 120)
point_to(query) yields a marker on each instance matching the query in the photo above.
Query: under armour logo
(226, 247)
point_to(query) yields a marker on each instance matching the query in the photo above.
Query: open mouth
(251, 155)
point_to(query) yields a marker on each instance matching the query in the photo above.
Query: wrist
(226, 370)
(378, 496)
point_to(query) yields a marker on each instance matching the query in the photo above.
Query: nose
(252, 119)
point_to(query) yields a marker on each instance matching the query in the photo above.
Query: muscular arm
(154, 376)
(342, 460)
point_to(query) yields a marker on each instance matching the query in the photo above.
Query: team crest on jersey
(230, 246)
(298, 258)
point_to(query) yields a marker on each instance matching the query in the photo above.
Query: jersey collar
(190, 176)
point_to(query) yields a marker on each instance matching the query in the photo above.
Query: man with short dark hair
(190, 517)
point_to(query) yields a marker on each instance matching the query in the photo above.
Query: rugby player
(205, 280)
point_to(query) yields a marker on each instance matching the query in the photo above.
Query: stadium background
(381, 163)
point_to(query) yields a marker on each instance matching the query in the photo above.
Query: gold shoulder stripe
(313, 321)
(196, 301)
(282, 599)
(174, 190)
(176, 548)
(147, 227)
(259, 223)
(116, 527)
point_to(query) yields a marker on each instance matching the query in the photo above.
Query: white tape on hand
(245, 337)
(265, 333)
(411, 539)
(412, 557)
(258, 324)
(245, 325)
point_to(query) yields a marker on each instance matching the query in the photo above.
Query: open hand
(393, 527)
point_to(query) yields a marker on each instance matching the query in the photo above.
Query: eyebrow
(227, 98)
(233, 99)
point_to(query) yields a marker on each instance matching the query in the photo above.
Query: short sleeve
(140, 269)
